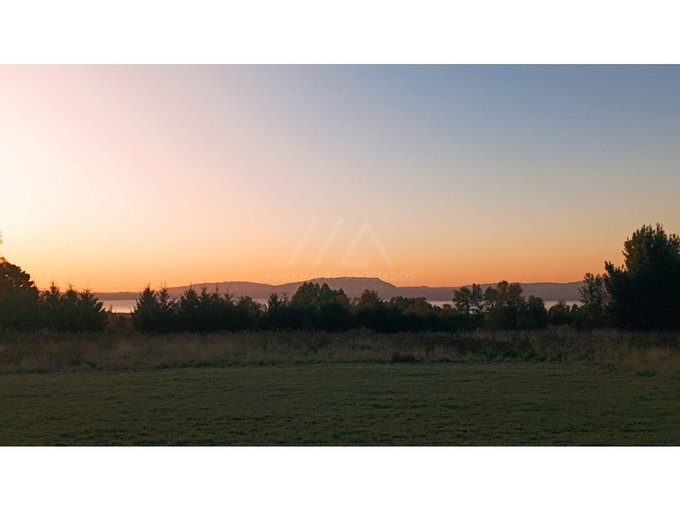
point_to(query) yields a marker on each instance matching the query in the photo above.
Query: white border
(342, 478)
(351, 31)
(348, 31)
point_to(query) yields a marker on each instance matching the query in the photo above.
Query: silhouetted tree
(278, 314)
(412, 314)
(50, 305)
(166, 311)
(533, 315)
(319, 306)
(209, 311)
(462, 299)
(504, 303)
(188, 310)
(561, 314)
(248, 313)
(371, 312)
(145, 313)
(18, 299)
(68, 310)
(91, 314)
(594, 296)
(71, 311)
(645, 291)
(335, 316)
(470, 302)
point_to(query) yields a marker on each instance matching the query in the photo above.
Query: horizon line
(222, 282)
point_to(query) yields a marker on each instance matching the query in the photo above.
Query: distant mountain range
(353, 287)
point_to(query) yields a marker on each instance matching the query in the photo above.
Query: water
(127, 305)
(119, 305)
(548, 304)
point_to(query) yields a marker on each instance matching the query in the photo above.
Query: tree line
(315, 306)
(643, 293)
(24, 308)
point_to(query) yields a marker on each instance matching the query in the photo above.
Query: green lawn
(342, 404)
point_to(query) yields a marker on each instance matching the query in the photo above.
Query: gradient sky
(115, 177)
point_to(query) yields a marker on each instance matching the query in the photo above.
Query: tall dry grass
(645, 353)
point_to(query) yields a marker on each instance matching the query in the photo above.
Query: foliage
(645, 291)
(501, 307)
(24, 308)
(18, 298)
(562, 314)
(203, 311)
(595, 299)
(71, 310)
(318, 307)
(470, 302)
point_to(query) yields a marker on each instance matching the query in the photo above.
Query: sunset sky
(115, 177)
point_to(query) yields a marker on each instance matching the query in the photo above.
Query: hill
(353, 287)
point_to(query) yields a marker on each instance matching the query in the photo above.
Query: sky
(114, 177)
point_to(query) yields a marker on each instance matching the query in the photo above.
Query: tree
(314, 295)
(68, 309)
(71, 310)
(560, 314)
(13, 278)
(18, 299)
(91, 315)
(534, 315)
(595, 298)
(166, 319)
(504, 304)
(369, 300)
(209, 314)
(462, 300)
(645, 291)
(278, 313)
(371, 312)
(189, 310)
(50, 305)
(319, 306)
(411, 314)
(470, 302)
(145, 314)
(248, 313)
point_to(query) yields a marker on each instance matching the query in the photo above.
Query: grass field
(502, 403)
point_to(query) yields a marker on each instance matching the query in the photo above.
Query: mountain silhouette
(354, 286)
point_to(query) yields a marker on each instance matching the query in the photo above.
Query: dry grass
(652, 361)
(644, 353)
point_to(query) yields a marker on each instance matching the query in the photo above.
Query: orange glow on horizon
(115, 177)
